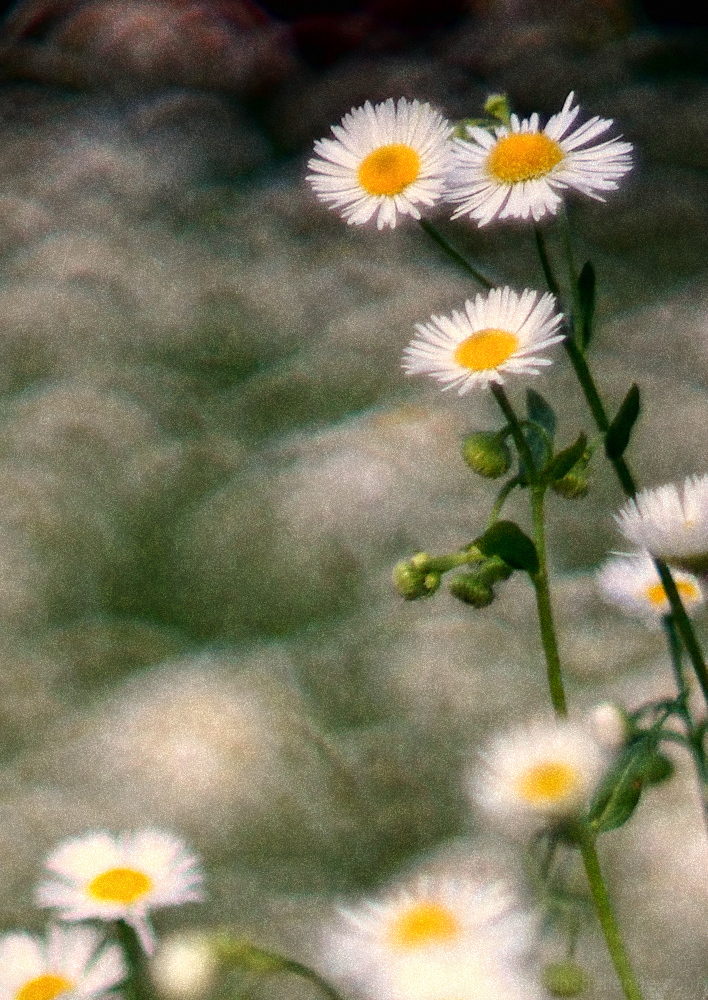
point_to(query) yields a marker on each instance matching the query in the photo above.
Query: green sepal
(619, 793)
(541, 412)
(586, 302)
(506, 540)
(619, 431)
(561, 464)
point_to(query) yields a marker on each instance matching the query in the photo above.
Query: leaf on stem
(619, 793)
(506, 540)
(619, 431)
(586, 303)
(564, 461)
(541, 412)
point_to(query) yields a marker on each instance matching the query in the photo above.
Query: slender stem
(137, 986)
(517, 433)
(603, 908)
(438, 237)
(249, 957)
(508, 487)
(305, 972)
(543, 606)
(684, 626)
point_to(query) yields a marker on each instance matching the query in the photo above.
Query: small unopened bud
(184, 966)
(572, 486)
(565, 979)
(413, 582)
(493, 570)
(468, 587)
(497, 106)
(487, 454)
(610, 725)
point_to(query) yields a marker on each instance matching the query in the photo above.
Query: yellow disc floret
(422, 925)
(548, 784)
(119, 885)
(45, 987)
(389, 170)
(523, 156)
(656, 594)
(486, 349)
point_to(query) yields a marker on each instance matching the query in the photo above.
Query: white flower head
(670, 522)
(386, 160)
(70, 961)
(100, 876)
(539, 775)
(519, 171)
(402, 946)
(496, 334)
(633, 584)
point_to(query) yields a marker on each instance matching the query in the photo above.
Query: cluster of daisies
(97, 877)
(468, 940)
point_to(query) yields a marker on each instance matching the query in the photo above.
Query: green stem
(138, 985)
(248, 957)
(543, 606)
(461, 261)
(684, 626)
(508, 487)
(517, 433)
(603, 908)
(305, 972)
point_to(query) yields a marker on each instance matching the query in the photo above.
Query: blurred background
(210, 459)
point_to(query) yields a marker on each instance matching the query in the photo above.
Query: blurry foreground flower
(99, 876)
(518, 172)
(539, 774)
(437, 939)
(385, 158)
(670, 522)
(498, 333)
(633, 584)
(69, 961)
(185, 965)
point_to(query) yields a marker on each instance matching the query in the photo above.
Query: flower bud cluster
(477, 587)
(413, 578)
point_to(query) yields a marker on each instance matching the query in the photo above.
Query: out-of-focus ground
(210, 459)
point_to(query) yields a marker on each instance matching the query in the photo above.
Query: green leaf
(506, 540)
(564, 461)
(586, 299)
(619, 431)
(619, 793)
(541, 412)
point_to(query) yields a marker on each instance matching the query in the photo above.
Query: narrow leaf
(618, 434)
(541, 412)
(619, 793)
(564, 461)
(586, 297)
(506, 540)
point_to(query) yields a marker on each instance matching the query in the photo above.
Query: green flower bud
(493, 570)
(468, 587)
(487, 453)
(565, 979)
(497, 106)
(413, 581)
(572, 486)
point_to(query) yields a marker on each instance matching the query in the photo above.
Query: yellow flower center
(486, 349)
(45, 987)
(389, 169)
(523, 156)
(656, 594)
(547, 784)
(424, 924)
(119, 885)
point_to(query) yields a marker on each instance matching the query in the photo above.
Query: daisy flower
(99, 876)
(385, 158)
(69, 961)
(633, 584)
(670, 522)
(539, 774)
(497, 333)
(404, 946)
(519, 171)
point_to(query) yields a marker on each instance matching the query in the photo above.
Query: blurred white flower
(609, 724)
(633, 584)
(184, 965)
(538, 774)
(121, 878)
(386, 158)
(70, 961)
(500, 332)
(670, 522)
(518, 172)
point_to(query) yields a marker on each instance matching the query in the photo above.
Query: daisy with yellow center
(497, 333)
(671, 522)
(442, 939)
(121, 878)
(539, 775)
(522, 171)
(69, 963)
(386, 160)
(632, 583)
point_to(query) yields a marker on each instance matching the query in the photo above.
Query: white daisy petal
(385, 161)
(138, 872)
(496, 333)
(518, 173)
(670, 522)
(632, 583)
